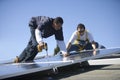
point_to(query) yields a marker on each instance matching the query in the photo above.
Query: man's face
(57, 26)
(81, 31)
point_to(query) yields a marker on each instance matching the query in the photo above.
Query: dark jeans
(30, 51)
(88, 46)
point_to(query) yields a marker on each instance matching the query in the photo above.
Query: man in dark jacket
(42, 27)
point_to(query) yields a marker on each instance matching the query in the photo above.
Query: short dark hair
(81, 26)
(58, 20)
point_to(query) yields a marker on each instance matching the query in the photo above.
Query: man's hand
(65, 54)
(40, 46)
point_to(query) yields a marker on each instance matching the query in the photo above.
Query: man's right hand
(40, 46)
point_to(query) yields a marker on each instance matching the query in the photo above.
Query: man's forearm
(68, 46)
(94, 45)
(38, 36)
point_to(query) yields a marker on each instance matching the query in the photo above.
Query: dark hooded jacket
(44, 24)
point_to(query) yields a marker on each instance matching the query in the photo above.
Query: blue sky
(101, 18)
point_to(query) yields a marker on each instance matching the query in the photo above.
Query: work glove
(41, 46)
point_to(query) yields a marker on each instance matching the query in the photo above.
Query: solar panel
(17, 69)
